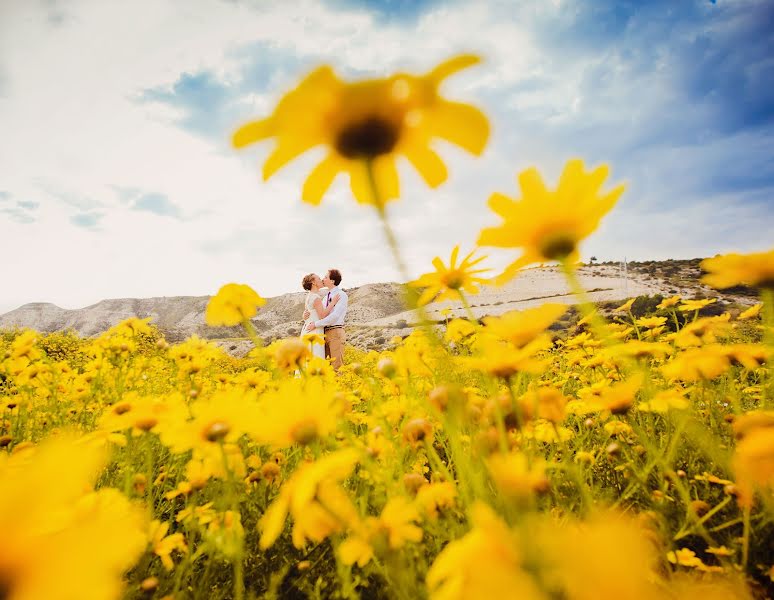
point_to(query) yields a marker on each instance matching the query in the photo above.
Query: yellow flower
(163, 544)
(619, 397)
(684, 557)
(755, 269)
(607, 557)
(692, 305)
(233, 304)
(521, 327)
(62, 540)
(397, 520)
(299, 412)
(699, 585)
(503, 360)
(706, 362)
(222, 418)
(639, 349)
(702, 331)
(143, 413)
(435, 496)
(356, 549)
(754, 456)
(318, 506)
(484, 563)
(225, 532)
(545, 402)
(669, 302)
(459, 330)
(664, 401)
(391, 530)
(626, 306)
(447, 283)
(650, 322)
(516, 477)
(751, 312)
(292, 353)
(750, 356)
(365, 125)
(549, 225)
(314, 339)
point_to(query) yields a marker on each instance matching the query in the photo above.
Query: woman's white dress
(317, 349)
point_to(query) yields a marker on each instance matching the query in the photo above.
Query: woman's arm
(322, 311)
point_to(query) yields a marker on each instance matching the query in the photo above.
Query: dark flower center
(5, 586)
(558, 247)
(367, 139)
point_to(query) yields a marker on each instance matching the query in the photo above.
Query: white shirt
(336, 316)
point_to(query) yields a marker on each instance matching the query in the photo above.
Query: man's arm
(338, 311)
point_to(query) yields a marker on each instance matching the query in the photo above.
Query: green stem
(745, 535)
(251, 333)
(434, 458)
(233, 502)
(587, 307)
(465, 304)
(392, 242)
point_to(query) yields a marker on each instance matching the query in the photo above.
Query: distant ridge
(375, 310)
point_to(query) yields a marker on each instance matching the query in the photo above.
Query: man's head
(332, 278)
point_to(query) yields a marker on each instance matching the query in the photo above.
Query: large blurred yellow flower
(754, 456)
(449, 282)
(549, 225)
(299, 412)
(233, 304)
(222, 418)
(484, 563)
(60, 539)
(521, 327)
(515, 477)
(365, 125)
(755, 269)
(504, 360)
(313, 497)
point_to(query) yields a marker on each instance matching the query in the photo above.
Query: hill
(376, 312)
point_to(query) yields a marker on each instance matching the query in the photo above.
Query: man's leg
(336, 339)
(327, 345)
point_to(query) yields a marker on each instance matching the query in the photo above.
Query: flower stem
(466, 305)
(586, 306)
(392, 242)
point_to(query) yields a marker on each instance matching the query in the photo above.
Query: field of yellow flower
(626, 458)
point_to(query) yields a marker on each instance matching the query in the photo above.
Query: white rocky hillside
(375, 314)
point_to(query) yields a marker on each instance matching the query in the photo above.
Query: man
(333, 324)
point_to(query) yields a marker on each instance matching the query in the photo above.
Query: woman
(313, 303)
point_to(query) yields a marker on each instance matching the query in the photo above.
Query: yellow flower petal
(427, 163)
(452, 66)
(460, 124)
(252, 132)
(320, 179)
(283, 154)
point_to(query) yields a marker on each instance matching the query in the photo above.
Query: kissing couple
(325, 307)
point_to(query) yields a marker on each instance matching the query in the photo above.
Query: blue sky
(115, 168)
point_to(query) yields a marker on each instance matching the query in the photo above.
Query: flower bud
(216, 431)
(417, 430)
(699, 507)
(149, 584)
(413, 481)
(386, 367)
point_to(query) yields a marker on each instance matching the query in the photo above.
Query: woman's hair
(335, 276)
(308, 281)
